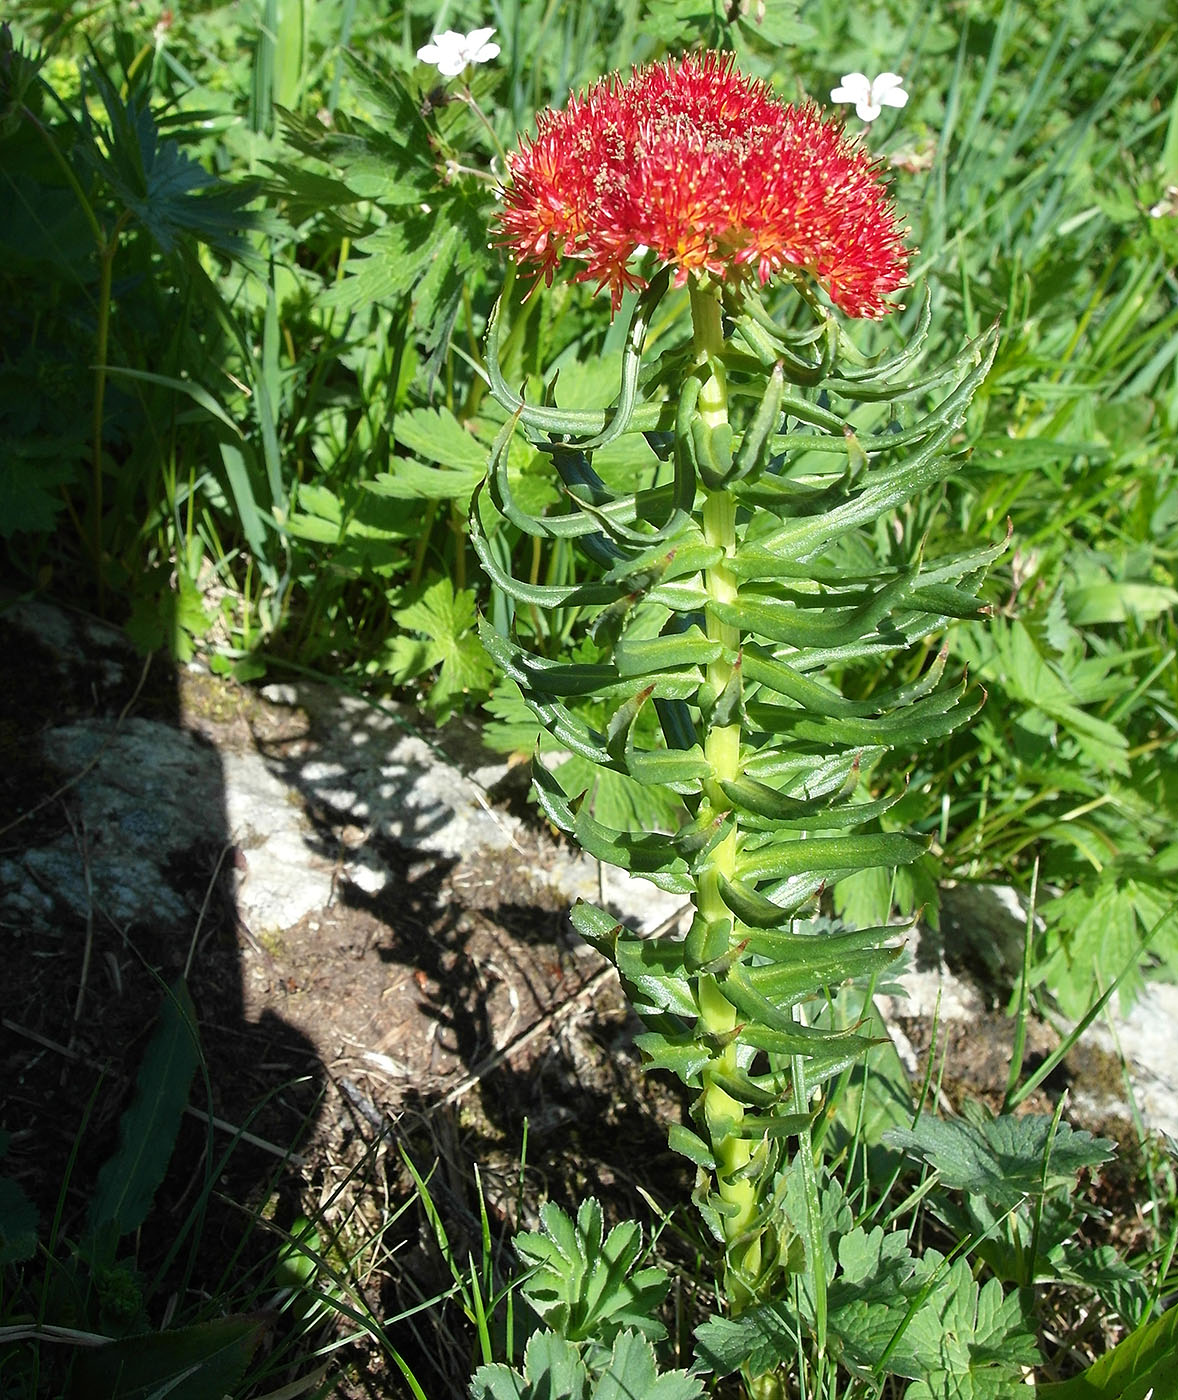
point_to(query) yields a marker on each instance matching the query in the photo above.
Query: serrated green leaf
(447, 621)
(761, 1338)
(972, 1343)
(553, 1370)
(869, 1299)
(435, 435)
(618, 800)
(632, 1371)
(1002, 1160)
(1097, 603)
(587, 1287)
(30, 493)
(396, 256)
(1090, 930)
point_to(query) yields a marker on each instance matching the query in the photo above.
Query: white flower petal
(870, 96)
(888, 88)
(855, 87)
(450, 53)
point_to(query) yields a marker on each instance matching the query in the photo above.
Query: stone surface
(304, 790)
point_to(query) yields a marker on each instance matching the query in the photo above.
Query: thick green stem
(722, 1114)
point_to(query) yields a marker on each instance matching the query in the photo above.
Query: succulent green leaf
(597, 927)
(655, 975)
(826, 1055)
(755, 909)
(650, 855)
(932, 718)
(764, 995)
(892, 488)
(828, 622)
(683, 1055)
(650, 656)
(779, 859)
(753, 452)
(761, 667)
(676, 768)
(774, 811)
(783, 984)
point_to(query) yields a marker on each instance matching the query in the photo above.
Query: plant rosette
(733, 592)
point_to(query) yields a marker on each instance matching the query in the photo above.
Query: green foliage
(247, 276)
(201, 1362)
(586, 1284)
(726, 600)
(890, 1311)
(94, 1286)
(1002, 1159)
(445, 622)
(555, 1370)
(84, 1316)
(1140, 1366)
(1006, 1184)
(18, 1218)
(130, 1178)
(296, 239)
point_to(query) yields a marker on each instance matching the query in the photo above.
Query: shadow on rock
(117, 879)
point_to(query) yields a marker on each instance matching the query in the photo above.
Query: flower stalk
(721, 609)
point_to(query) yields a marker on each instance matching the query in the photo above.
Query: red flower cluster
(712, 172)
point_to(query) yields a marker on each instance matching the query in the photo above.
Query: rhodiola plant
(732, 497)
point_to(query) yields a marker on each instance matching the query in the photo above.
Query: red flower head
(713, 173)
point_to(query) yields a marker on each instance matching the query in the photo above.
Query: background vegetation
(246, 271)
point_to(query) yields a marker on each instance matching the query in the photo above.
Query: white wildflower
(451, 52)
(870, 95)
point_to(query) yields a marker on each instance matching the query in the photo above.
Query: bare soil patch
(446, 1018)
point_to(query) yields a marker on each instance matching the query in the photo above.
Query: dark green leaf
(203, 1362)
(128, 1181)
(1004, 1159)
